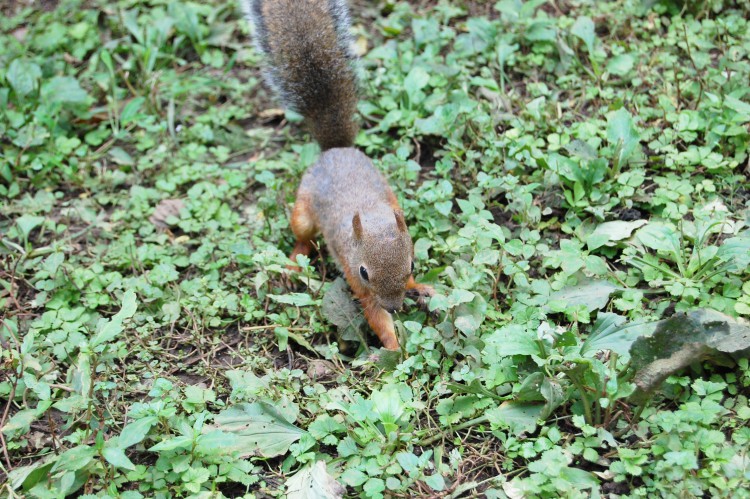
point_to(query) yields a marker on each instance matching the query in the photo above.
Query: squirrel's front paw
(420, 291)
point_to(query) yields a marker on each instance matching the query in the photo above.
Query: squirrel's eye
(363, 273)
(412, 267)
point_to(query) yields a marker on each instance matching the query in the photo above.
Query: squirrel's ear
(400, 222)
(357, 226)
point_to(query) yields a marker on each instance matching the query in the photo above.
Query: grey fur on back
(307, 44)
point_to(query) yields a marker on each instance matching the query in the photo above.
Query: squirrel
(310, 66)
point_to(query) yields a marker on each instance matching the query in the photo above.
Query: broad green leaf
(622, 135)
(389, 406)
(553, 394)
(581, 149)
(608, 333)
(594, 295)
(459, 296)
(110, 329)
(347, 447)
(67, 482)
(64, 90)
(107, 332)
(27, 223)
(259, 429)
(529, 389)
(136, 431)
(518, 417)
(314, 482)
(584, 29)
(323, 426)
(130, 111)
(215, 442)
(80, 373)
(582, 479)
(374, 486)
(23, 76)
(339, 309)
(470, 315)
(435, 481)
(20, 422)
(444, 207)
(353, 477)
(31, 135)
(53, 262)
(72, 404)
(75, 459)
(40, 387)
(740, 107)
(621, 64)
(27, 477)
(296, 299)
(385, 360)
(179, 442)
(513, 339)
(504, 51)
(736, 250)
(541, 30)
(116, 457)
(408, 461)
(121, 157)
(609, 232)
(440, 121)
(129, 306)
(660, 237)
(415, 81)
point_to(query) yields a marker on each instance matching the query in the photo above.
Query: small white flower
(545, 332)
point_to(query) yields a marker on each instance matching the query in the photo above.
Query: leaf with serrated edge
(74, 459)
(339, 309)
(136, 431)
(519, 417)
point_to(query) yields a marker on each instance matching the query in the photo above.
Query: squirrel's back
(307, 43)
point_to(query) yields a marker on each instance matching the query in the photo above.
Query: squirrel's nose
(391, 305)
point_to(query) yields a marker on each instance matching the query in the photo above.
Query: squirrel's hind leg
(304, 228)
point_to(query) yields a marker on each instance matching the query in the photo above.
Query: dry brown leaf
(165, 209)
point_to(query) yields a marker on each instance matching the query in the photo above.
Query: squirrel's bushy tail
(310, 62)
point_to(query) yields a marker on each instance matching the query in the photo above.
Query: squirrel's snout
(392, 306)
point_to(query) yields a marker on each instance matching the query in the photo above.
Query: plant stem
(466, 424)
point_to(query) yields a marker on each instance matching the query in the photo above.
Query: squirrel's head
(383, 256)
